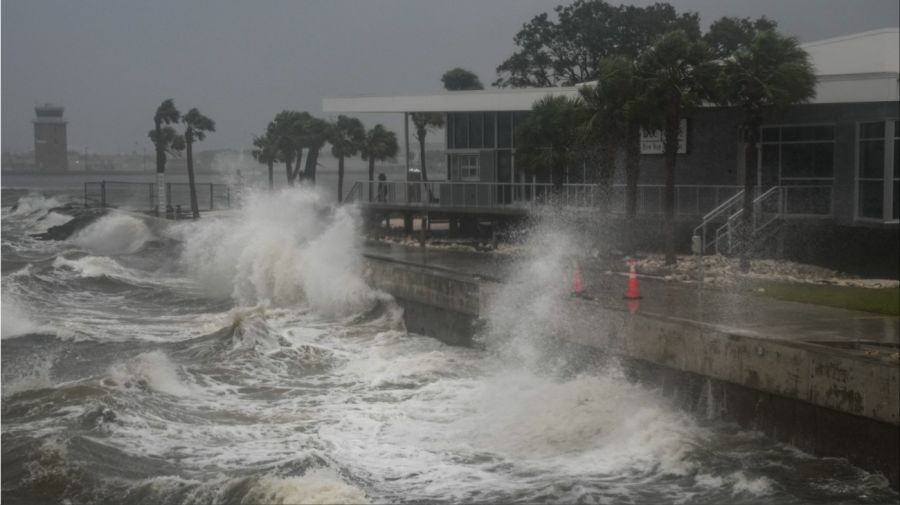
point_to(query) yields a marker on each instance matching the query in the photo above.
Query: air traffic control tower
(50, 148)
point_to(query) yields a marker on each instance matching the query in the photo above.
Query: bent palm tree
(163, 138)
(768, 74)
(196, 125)
(285, 131)
(266, 151)
(314, 136)
(425, 122)
(379, 144)
(677, 75)
(346, 136)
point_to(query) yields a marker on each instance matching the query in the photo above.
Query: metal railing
(770, 209)
(142, 195)
(690, 200)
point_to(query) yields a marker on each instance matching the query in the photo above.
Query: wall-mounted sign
(652, 142)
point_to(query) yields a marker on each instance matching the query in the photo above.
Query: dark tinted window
(489, 129)
(807, 160)
(504, 129)
(871, 130)
(806, 133)
(476, 130)
(896, 160)
(460, 131)
(770, 134)
(871, 159)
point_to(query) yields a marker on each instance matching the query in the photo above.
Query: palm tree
(346, 137)
(313, 137)
(379, 144)
(425, 122)
(196, 125)
(769, 74)
(676, 75)
(545, 140)
(285, 132)
(266, 151)
(163, 138)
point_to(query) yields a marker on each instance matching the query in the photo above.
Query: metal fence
(142, 195)
(690, 200)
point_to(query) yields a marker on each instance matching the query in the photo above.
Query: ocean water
(243, 359)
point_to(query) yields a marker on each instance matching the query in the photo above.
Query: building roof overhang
(862, 67)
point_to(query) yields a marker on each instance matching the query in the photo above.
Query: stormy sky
(111, 62)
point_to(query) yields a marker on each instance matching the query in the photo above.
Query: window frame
(781, 142)
(891, 135)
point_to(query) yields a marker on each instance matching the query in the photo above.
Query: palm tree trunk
(371, 174)
(271, 175)
(195, 210)
(160, 171)
(671, 149)
(632, 168)
(422, 155)
(298, 175)
(312, 159)
(751, 135)
(288, 172)
(606, 173)
(340, 179)
(632, 175)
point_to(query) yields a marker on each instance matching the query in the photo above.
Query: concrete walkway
(728, 311)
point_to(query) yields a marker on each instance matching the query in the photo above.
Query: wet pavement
(728, 310)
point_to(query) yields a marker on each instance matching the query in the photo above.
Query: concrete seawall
(830, 400)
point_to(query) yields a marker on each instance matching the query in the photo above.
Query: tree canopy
(545, 139)
(568, 50)
(460, 79)
(727, 34)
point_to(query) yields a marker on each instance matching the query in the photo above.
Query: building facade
(50, 145)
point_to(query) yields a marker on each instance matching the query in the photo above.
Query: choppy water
(243, 360)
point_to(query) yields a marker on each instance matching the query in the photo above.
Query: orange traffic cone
(633, 293)
(577, 282)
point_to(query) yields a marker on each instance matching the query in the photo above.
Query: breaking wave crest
(283, 249)
(114, 234)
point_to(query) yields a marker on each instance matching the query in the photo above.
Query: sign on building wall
(652, 142)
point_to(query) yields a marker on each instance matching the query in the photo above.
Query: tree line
(647, 69)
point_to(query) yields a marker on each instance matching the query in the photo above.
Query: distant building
(50, 147)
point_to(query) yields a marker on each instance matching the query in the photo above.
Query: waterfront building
(833, 162)
(50, 146)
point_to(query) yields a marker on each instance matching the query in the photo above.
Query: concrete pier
(825, 380)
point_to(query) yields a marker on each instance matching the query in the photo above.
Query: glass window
(871, 199)
(489, 129)
(460, 131)
(476, 130)
(896, 213)
(807, 160)
(518, 118)
(807, 133)
(770, 158)
(504, 129)
(871, 159)
(871, 130)
(896, 158)
(450, 141)
(770, 134)
(466, 165)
